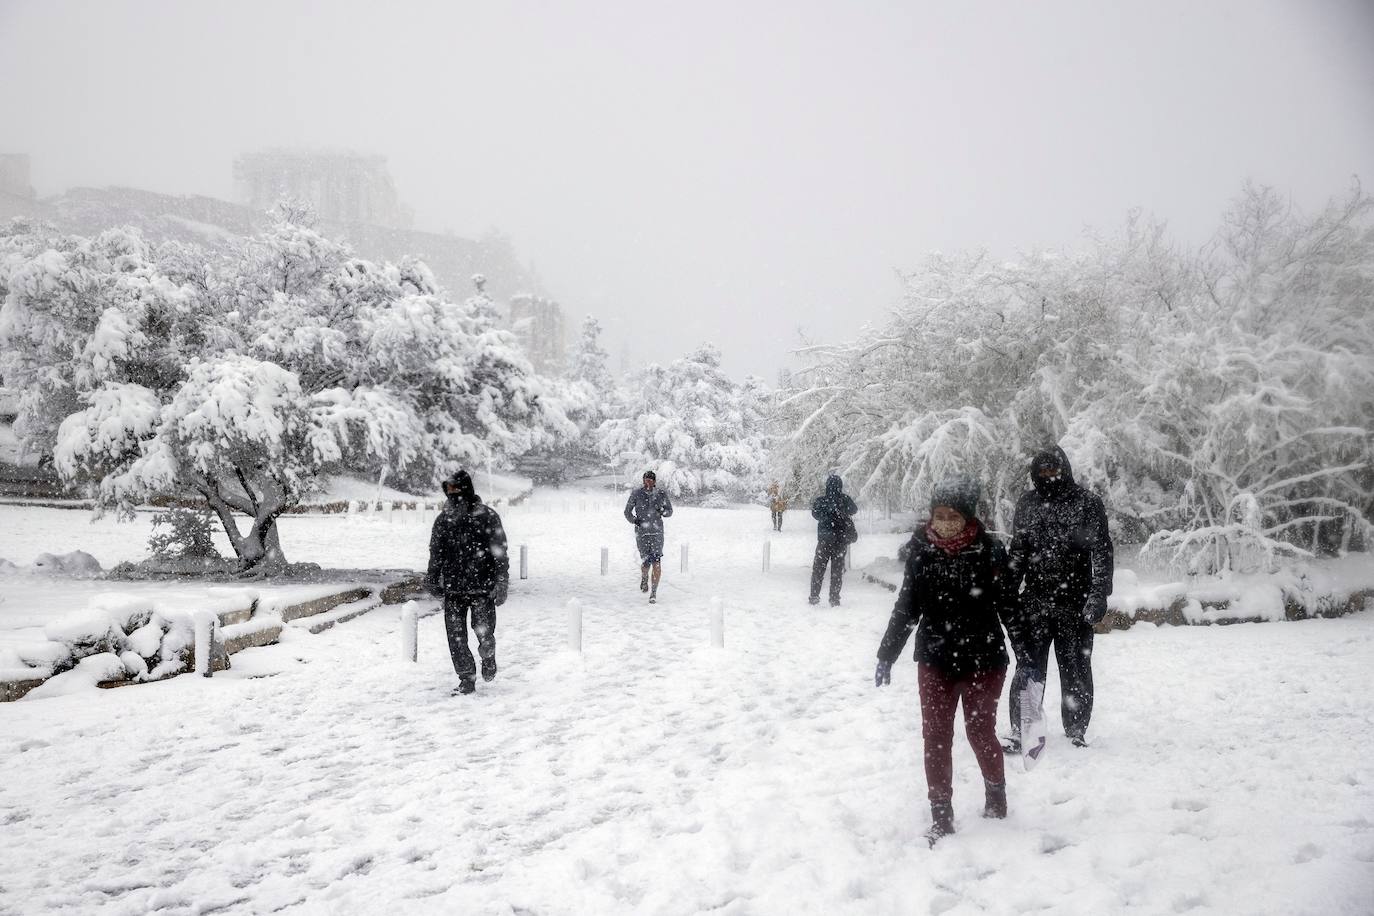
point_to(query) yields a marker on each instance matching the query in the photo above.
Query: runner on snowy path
(646, 509)
(469, 569)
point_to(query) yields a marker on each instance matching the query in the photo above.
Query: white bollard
(605, 560)
(409, 633)
(575, 625)
(524, 561)
(204, 624)
(717, 623)
(767, 555)
(684, 557)
(390, 508)
(352, 507)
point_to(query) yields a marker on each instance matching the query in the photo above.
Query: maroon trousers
(940, 694)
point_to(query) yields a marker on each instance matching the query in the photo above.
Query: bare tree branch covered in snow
(1221, 401)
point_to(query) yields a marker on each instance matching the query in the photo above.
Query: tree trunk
(260, 545)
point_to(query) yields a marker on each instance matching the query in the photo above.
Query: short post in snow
(204, 624)
(767, 555)
(524, 561)
(409, 631)
(717, 622)
(684, 557)
(575, 625)
(605, 560)
(390, 508)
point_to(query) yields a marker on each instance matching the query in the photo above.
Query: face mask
(947, 530)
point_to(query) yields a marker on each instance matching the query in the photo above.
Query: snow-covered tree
(1220, 401)
(249, 379)
(698, 430)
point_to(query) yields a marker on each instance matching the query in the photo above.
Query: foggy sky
(733, 172)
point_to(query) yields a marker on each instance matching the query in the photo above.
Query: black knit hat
(461, 484)
(959, 492)
(650, 475)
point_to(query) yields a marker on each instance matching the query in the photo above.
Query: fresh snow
(652, 773)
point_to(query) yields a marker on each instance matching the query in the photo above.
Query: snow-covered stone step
(318, 623)
(325, 604)
(262, 631)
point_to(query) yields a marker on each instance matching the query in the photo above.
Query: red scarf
(957, 543)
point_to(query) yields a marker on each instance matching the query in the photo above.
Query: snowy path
(1229, 772)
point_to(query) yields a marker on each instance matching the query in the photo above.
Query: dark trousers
(460, 611)
(1072, 638)
(777, 520)
(828, 551)
(940, 693)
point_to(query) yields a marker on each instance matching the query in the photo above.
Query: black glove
(1094, 609)
(432, 586)
(499, 595)
(883, 674)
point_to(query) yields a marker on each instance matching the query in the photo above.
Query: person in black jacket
(1062, 552)
(832, 511)
(469, 568)
(952, 595)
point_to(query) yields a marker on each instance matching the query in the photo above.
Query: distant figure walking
(1062, 550)
(954, 595)
(646, 509)
(777, 504)
(469, 569)
(833, 512)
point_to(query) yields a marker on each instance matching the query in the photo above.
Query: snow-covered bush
(1220, 401)
(183, 534)
(696, 429)
(247, 377)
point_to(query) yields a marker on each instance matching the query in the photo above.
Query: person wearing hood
(1061, 560)
(777, 504)
(954, 596)
(832, 511)
(646, 509)
(470, 570)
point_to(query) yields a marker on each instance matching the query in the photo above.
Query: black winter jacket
(1060, 546)
(831, 509)
(467, 551)
(955, 604)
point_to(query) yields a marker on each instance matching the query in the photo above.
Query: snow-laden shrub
(126, 629)
(77, 565)
(183, 534)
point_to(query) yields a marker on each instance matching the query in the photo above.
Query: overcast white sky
(726, 171)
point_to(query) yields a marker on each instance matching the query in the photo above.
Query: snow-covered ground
(1229, 771)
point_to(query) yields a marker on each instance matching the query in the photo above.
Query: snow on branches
(698, 430)
(246, 378)
(1221, 401)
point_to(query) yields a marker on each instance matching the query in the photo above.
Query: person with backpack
(833, 511)
(646, 509)
(954, 594)
(470, 570)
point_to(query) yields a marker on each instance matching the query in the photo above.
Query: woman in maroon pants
(952, 596)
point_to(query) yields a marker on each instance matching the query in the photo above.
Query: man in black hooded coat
(1062, 552)
(831, 510)
(469, 568)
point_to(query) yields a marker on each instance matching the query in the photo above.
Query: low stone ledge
(323, 605)
(251, 635)
(15, 690)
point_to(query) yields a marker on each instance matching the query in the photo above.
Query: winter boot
(1011, 745)
(489, 669)
(1078, 740)
(941, 821)
(814, 599)
(465, 685)
(653, 596)
(834, 602)
(996, 805)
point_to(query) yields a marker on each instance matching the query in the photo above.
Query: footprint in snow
(1189, 804)
(1307, 852)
